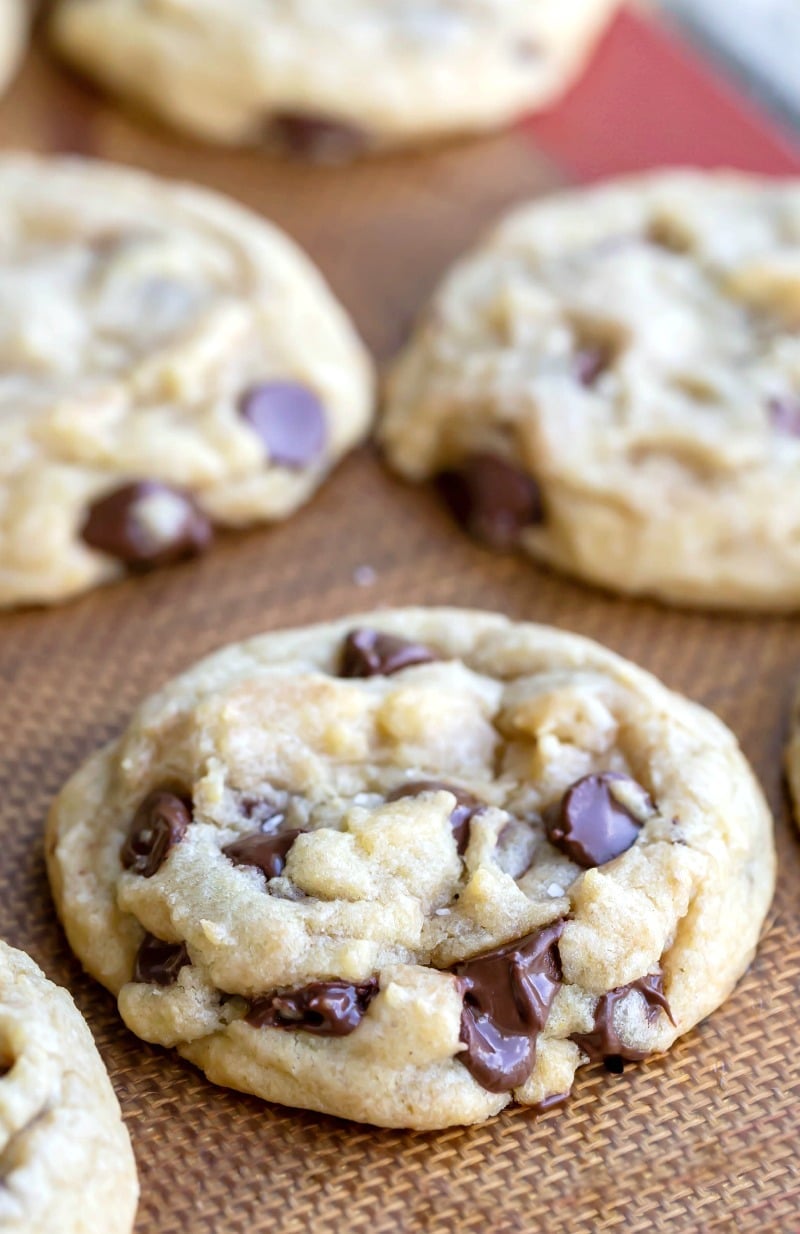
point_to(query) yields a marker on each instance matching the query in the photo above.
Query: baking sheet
(704, 1139)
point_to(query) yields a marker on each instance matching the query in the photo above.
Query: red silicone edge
(648, 100)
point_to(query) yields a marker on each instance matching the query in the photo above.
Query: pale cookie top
(289, 862)
(331, 79)
(168, 361)
(632, 354)
(66, 1165)
(14, 20)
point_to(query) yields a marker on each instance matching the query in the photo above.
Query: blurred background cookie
(169, 363)
(612, 382)
(327, 80)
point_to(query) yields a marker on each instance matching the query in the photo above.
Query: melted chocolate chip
(327, 1008)
(317, 138)
(290, 420)
(267, 853)
(158, 963)
(160, 823)
(492, 499)
(370, 653)
(466, 806)
(604, 1041)
(507, 998)
(115, 525)
(591, 827)
(784, 414)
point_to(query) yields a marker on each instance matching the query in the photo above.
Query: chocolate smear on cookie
(265, 852)
(326, 1008)
(590, 825)
(158, 963)
(160, 822)
(604, 1042)
(507, 998)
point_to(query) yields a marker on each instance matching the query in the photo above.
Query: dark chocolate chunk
(266, 852)
(290, 420)
(321, 139)
(604, 1041)
(507, 998)
(491, 499)
(159, 963)
(160, 823)
(784, 414)
(115, 525)
(327, 1008)
(466, 806)
(590, 826)
(370, 653)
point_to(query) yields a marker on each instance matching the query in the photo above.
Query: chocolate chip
(492, 499)
(160, 823)
(266, 853)
(116, 524)
(466, 806)
(370, 653)
(290, 420)
(784, 414)
(158, 963)
(591, 362)
(327, 1008)
(591, 827)
(320, 139)
(507, 998)
(604, 1041)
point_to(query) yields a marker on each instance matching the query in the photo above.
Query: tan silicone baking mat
(705, 1139)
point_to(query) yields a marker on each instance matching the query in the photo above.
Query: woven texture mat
(702, 1140)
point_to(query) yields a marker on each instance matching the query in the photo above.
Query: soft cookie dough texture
(383, 71)
(14, 22)
(287, 862)
(169, 362)
(634, 351)
(66, 1165)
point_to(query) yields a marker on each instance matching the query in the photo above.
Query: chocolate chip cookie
(169, 363)
(66, 1165)
(412, 866)
(331, 81)
(14, 19)
(612, 382)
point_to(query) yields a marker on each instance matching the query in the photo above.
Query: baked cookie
(411, 866)
(66, 1165)
(14, 19)
(613, 382)
(169, 363)
(332, 80)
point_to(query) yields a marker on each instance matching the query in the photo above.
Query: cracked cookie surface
(157, 374)
(408, 867)
(330, 81)
(612, 381)
(66, 1165)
